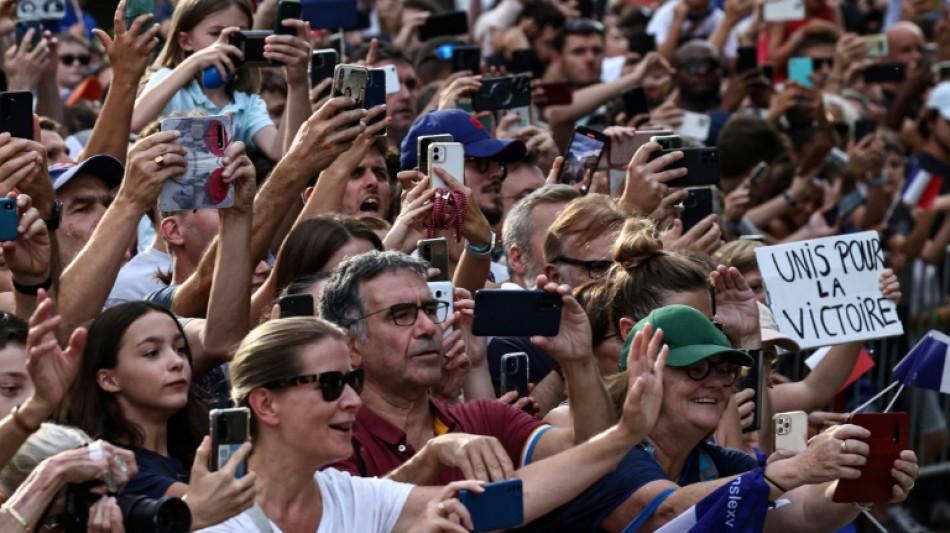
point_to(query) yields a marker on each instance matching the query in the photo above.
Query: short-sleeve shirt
(349, 504)
(662, 20)
(540, 362)
(380, 447)
(156, 473)
(248, 111)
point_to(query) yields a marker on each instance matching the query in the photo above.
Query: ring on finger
(160, 160)
(844, 446)
(442, 509)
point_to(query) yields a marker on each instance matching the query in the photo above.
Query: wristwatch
(482, 251)
(52, 223)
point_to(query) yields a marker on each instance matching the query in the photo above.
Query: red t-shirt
(380, 447)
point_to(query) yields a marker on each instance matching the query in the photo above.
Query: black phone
(287, 9)
(251, 44)
(863, 127)
(583, 154)
(451, 23)
(668, 142)
(376, 95)
(322, 63)
(506, 92)
(642, 43)
(768, 71)
(697, 206)
(524, 60)
(466, 58)
(296, 305)
(514, 373)
(754, 379)
(23, 25)
(516, 313)
(885, 72)
(436, 253)
(635, 102)
(422, 144)
(748, 59)
(844, 207)
(229, 430)
(702, 165)
(16, 114)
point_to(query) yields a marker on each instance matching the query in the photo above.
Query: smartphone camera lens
(511, 365)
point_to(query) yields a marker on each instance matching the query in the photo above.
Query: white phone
(790, 430)
(392, 79)
(695, 125)
(782, 10)
(443, 291)
(450, 157)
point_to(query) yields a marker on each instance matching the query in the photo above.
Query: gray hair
(518, 224)
(49, 440)
(341, 302)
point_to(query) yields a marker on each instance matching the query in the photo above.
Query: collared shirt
(380, 447)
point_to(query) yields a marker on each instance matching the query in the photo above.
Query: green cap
(690, 335)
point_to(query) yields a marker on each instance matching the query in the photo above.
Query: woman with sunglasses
(294, 375)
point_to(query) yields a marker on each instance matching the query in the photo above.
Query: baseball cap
(464, 128)
(102, 166)
(770, 333)
(940, 99)
(690, 335)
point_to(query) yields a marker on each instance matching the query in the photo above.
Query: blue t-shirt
(248, 111)
(156, 474)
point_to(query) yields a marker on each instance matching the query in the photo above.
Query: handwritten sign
(825, 291)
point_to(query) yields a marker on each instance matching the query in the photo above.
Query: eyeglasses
(331, 383)
(595, 269)
(584, 26)
(697, 66)
(725, 370)
(69, 59)
(483, 164)
(818, 62)
(405, 314)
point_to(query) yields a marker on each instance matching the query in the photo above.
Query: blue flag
(925, 366)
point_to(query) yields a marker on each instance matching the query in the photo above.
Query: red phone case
(888, 439)
(558, 93)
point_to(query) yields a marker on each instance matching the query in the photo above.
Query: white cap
(771, 336)
(940, 99)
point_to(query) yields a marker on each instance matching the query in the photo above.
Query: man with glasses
(382, 300)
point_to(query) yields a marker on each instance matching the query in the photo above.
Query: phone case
(422, 149)
(40, 9)
(695, 125)
(449, 156)
(296, 305)
(516, 313)
(251, 44)
(435, 252)
(466, 58)
(451, 23)
(844, 207)
(202, 186)
(885, 72)
(229, 430)
(287, 9)
(136, 8)
(642, 43)
(702, 165)
(322, 63)
(23, 25)
(515, 373)
(863, 127)
(754, 380)
(557, 93)
(393, 85)
(8, 219)
(876, 45)
(748, 59)
(444, 292)
(621, 154)
(501, 506)
(376, 95)
(800, 69)
(668, 142)
(505, 92)
(697, 206)
(635, 102)
(524, 60)
(889, 437)
(16, 114)
(584, 153)
(350, 80)
(790, 430)
(783, 10)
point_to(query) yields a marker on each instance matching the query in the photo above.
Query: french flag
(921, 188)
(925, 366)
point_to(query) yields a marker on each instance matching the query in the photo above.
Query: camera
(139, 513)
(502, 93)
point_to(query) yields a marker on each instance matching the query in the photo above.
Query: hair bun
(638, 241)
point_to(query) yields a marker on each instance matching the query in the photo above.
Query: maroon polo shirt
(380, 447)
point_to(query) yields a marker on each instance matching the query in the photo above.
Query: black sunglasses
(726, 370)
(69, 59)
(331, 383)
(696, 66)
(595, 269)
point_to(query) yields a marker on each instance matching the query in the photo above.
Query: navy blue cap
(102, 166)
(465, 129)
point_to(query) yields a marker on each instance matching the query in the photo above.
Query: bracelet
(20, 423)
(31, 290)
(16, 516)
(878, 181)
(482, 251)
(789, 198)
(779, 487)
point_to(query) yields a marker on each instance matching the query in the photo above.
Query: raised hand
(573, 340)
(446, 514)
(131, 49)
(51, 368)
(151, 162)
(416, 205)
(646, 362)
(736, 308)
(28, 257)
(291, 50)
(327, 134)
(24, 66)
(214, 497)
(221, 55)
(645, 185)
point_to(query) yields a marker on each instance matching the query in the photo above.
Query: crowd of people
(125, 320)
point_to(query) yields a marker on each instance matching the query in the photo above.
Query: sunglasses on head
(70, 59)
(331, 383)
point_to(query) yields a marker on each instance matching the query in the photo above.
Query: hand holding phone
(9, 220)
(790, 431)
(500, 506)
(202, 185)
(583, 155)
(889, 437)
(287, 9)
(229, 430)
(515, 373)
(516, 313)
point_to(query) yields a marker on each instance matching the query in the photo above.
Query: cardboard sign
(825, 291)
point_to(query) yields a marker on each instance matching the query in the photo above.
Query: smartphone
(834, 163)
(422, 152)
(752, 237)
(514, 373)
(697, 206)
(943, 70)
(844, 207)
(287, 9)
(800, 70)
(621, 154)
(501, 506)
(758, 173)
(889, 437)
(863, 127)
(8, 219)
(322, 63)
(505, 92)
(296, 305)
(330, 14)
(748, 59)
(929, 53)
(136, 8)
(876, 45)
(40, 9)
(16, 114)
(755, 380)
(557, 93)
(524, 60)
(668, 142)
(449, 156)
(523, 113)
(635, 102)
(22, 26)
(451, 23)
(251, 44)
(695, 125)
(642, 43)
(444, 291)
(350, 80)
(516, 313)
(584, 153)
(466, 58)
(436, 252)
(783, 10)
(702, 165)
(202, 185)
(393, 85)
(768, 71)
(885, 72)
(229, 430)
(376, 95)
(790, 431)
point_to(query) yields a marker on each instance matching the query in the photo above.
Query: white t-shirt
(136, 279)
(659, 27)
(350, 503)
